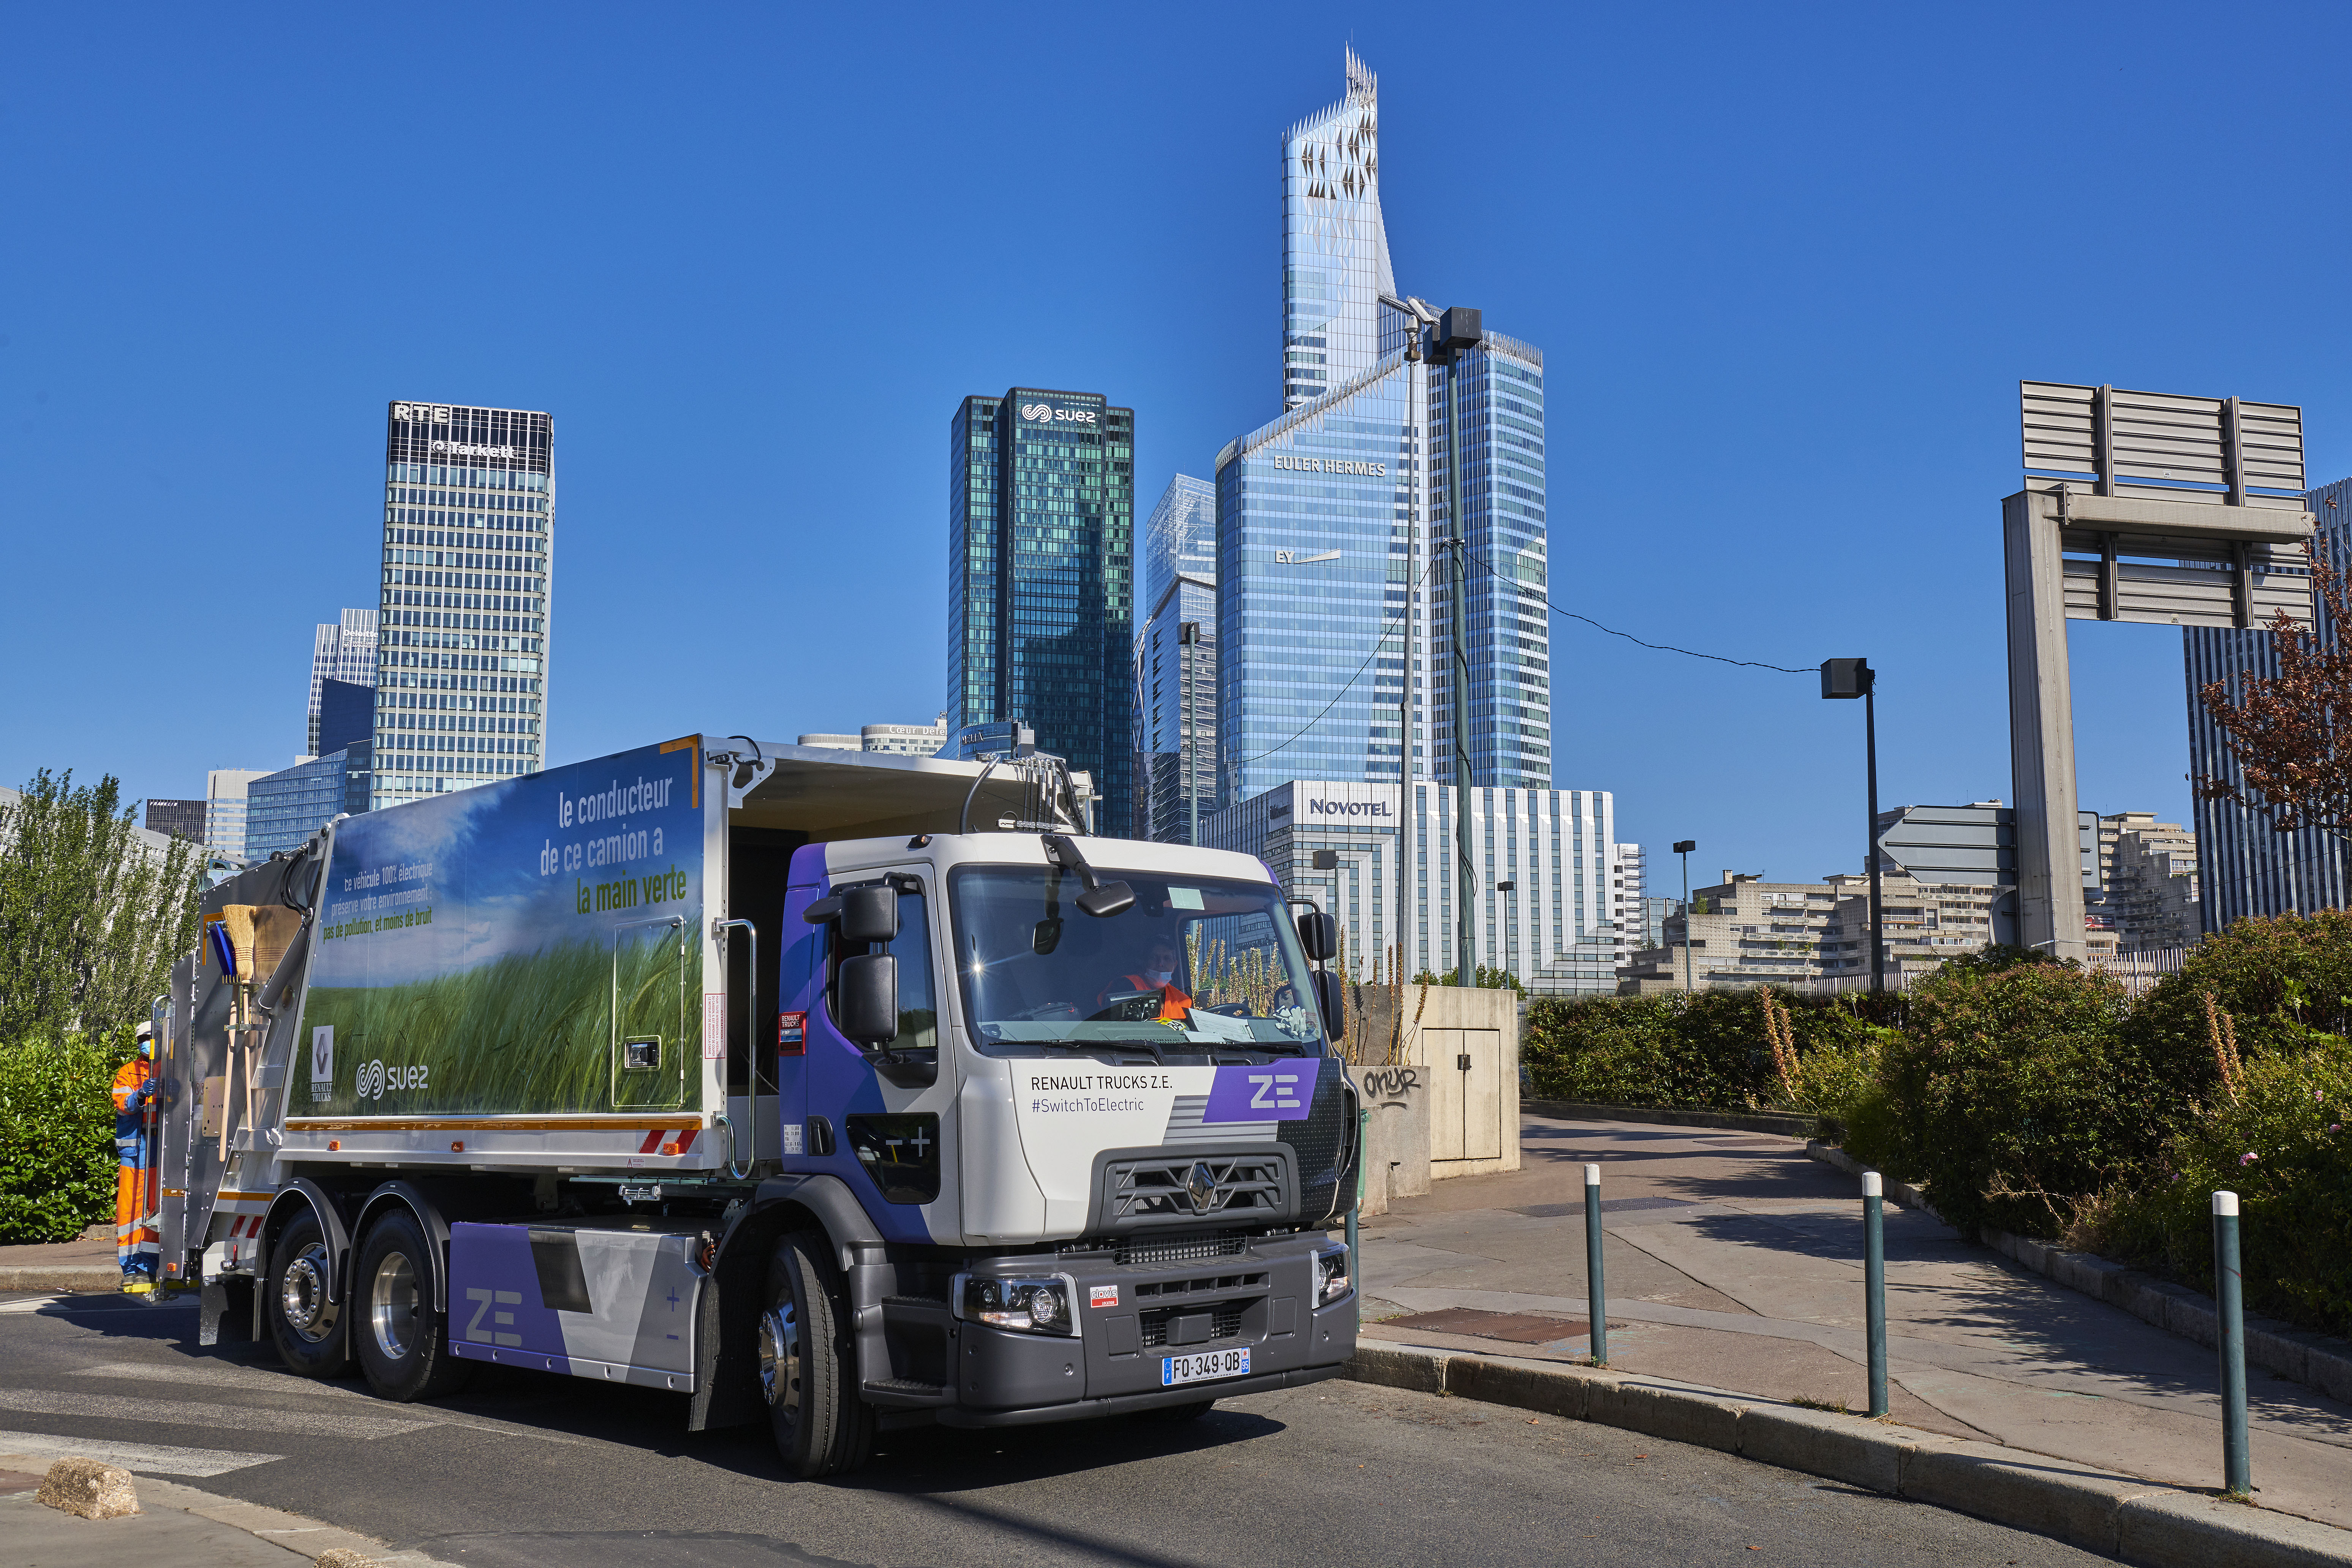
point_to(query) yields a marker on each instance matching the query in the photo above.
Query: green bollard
(1873, 1283)
(2229, 1297)
(1595, 1290)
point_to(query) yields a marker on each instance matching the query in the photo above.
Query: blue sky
(1787, 265)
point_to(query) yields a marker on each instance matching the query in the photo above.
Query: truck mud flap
(726, 1371)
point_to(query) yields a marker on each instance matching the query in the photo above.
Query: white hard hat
(146, 1031)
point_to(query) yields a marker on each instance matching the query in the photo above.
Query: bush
(1693, 1050)
(2017, 1090)
(57, 1138)
(2294, 1193)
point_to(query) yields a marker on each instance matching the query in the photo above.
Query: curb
(307, 1537)
(58, 1277)
(2139, 1522)
(1784, 1124)
(2299, 1355)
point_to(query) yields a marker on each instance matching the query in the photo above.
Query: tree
(90, 920)
(2285, 730)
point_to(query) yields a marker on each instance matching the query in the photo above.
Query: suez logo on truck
(373, 1081)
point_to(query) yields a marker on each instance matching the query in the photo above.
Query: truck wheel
(808, 1361)
(403, 1343)
(307, 1327)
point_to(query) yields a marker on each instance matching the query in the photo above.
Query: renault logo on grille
(1201, 1185)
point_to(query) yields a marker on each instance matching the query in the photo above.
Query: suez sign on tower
(1047, 414)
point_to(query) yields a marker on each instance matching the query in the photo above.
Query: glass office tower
(1176, 669)
(1335, 249)
(1334, 606)
(1041, 573)
(468, 554)
(343, 651)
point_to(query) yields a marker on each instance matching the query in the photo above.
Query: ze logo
(1275, 1091)
(322, 1061)
(484, 1301)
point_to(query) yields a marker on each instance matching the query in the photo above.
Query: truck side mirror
(869, 914)
(866, 999)
(1332, 1002)
(1319, 933)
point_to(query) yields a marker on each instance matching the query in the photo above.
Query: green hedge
(57, 1138)
(1697, 1049)
(2280, 1144)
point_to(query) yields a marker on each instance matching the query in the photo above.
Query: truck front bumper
(1133, 1316)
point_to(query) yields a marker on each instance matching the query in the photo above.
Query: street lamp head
(1846, 677)
(1684, 846)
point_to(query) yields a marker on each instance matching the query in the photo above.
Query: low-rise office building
(286, 807)
(1745, 931)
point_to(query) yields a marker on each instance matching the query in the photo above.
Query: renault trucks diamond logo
(1201, 1186)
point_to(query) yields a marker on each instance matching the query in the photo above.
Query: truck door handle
(820, 1136)
(1463, 1062)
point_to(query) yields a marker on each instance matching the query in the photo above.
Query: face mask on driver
(1159, 976)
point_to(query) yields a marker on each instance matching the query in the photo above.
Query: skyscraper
(468, 552)
(1041, 596)
(1333, 571)
(1411, 446)
(2245, 867)
(224, 808)
(343, 651)
(1176, 665)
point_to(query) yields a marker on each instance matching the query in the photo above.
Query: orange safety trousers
(136, 1243)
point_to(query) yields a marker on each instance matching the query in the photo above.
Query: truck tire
(402, 1342)
(308, 1328)
(808, 1361)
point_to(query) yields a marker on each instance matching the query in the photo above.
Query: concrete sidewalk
(1735, 1261)
(86, 1263)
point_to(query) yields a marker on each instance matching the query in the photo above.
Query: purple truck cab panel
(495, 1312)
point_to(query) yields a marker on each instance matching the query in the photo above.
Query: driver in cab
(1159, 975)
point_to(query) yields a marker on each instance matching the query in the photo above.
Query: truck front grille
(1254, 1187)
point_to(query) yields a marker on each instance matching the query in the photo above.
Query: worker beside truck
(786, 1081)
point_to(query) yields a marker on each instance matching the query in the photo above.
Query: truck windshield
(1197, 965)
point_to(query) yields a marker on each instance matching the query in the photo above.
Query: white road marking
(226, 1417)
(153, 1458)
(80, 1304)
(223, 1374)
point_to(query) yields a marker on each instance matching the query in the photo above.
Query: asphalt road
(524, 1470)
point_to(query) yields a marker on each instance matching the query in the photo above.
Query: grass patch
(528, 1032)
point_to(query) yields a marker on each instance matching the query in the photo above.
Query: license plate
(1201, 1368)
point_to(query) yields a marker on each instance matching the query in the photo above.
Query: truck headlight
(1028, 1306)
(1331, 1281)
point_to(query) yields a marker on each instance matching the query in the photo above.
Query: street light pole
(1849, 678)
(1683, 847)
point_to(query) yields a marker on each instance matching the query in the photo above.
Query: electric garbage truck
(840, 1091)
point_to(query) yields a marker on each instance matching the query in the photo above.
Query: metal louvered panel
(2216, 450)
(2185, 596)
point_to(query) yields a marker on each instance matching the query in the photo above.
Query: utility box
(1466, 1043)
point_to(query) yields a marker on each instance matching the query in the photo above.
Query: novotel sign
(1349, 807)
(1047, 414)
(1331, 466)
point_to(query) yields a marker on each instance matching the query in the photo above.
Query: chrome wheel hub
(391, 1306)
(780, 1357)
(302, 1295)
